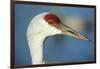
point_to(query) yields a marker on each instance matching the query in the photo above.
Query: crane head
(48, 24)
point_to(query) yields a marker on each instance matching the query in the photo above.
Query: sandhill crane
(44, 25)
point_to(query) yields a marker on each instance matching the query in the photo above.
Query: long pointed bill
(68, 31)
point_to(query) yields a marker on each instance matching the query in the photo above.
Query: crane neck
(36, 48)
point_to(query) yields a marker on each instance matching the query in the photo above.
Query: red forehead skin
(54, 18)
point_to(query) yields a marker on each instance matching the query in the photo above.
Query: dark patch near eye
(50, 22)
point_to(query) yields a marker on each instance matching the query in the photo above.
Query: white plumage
(38, 30)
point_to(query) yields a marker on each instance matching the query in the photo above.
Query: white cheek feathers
(50, 30)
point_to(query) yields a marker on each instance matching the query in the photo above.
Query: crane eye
(50, 22)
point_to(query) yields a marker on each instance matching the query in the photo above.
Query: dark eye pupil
(50, 22)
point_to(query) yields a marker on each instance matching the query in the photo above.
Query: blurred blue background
(57, 49)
